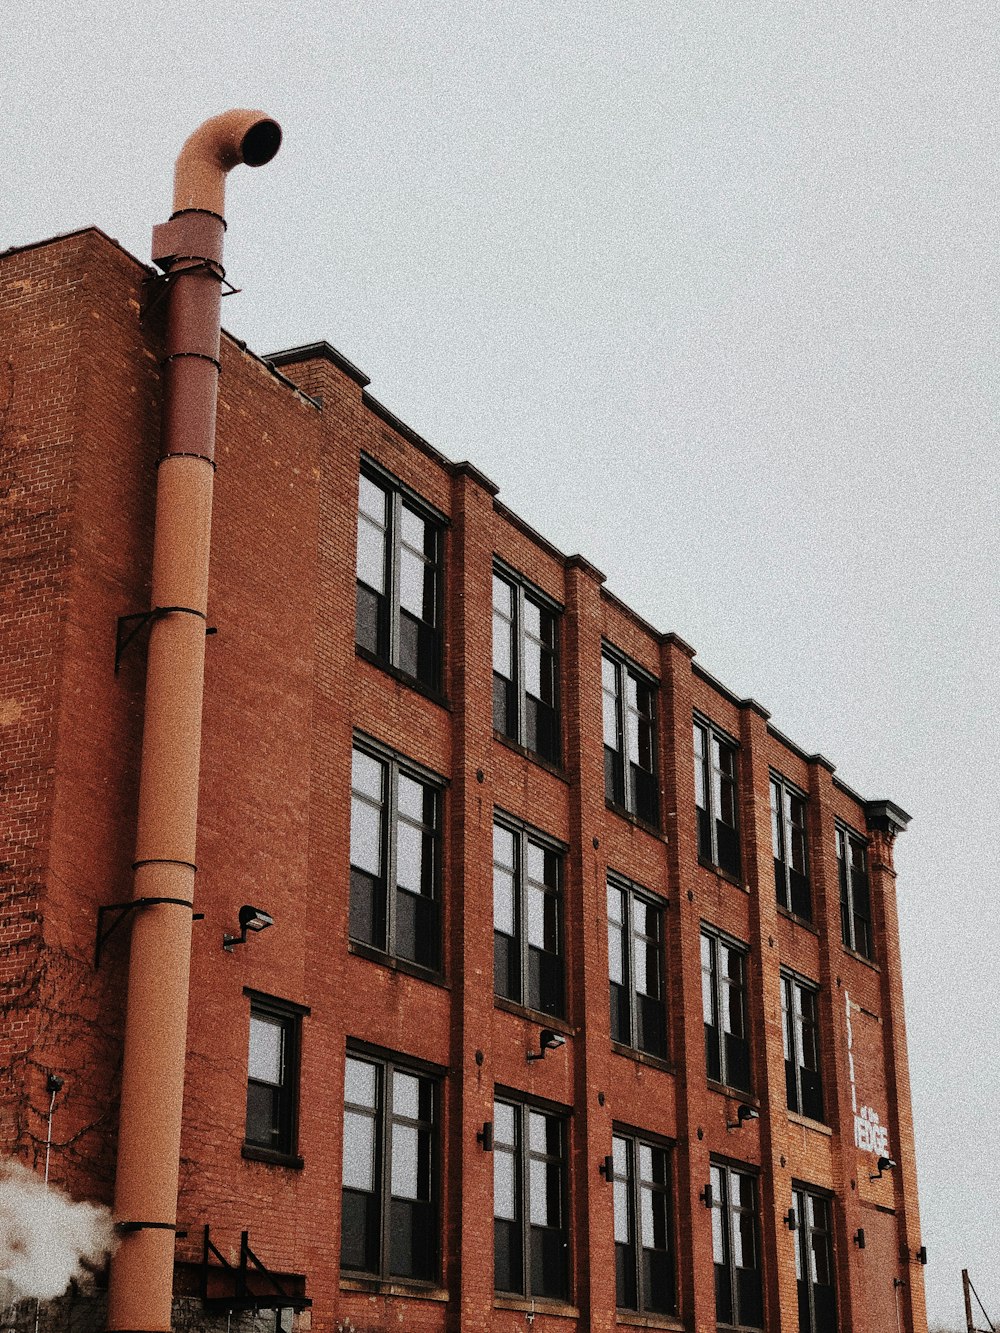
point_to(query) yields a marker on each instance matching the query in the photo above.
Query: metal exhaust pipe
(189, 249)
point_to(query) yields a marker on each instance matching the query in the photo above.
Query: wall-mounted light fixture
(791, 1221)
(921, 1255)
(706, 1195)
(548, 1040)
(607, 1168)
(485, 1136)
(744, 1112)
(859, 1238)
(883, 1164)
(251, 918)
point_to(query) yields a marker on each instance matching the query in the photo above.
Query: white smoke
(45, 1237)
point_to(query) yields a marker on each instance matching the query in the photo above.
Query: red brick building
(581, 1007)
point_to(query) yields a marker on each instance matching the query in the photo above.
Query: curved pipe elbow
(215, 147)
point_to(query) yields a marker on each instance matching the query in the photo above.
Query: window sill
(868, 962)
(642, 1057)
(723, 874)
(404, 678)
(636, 820)
(817, 1126)
(396, 1287)
(797, 920)
(549, 765)
(633, 1319)
(403, 965)
(735, 1094)
(254, 1154)
(540, 1305)
(533, 1015)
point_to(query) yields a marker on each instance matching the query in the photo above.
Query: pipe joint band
(167, 861)
(180, 453)
(124, 1228)
(160, 611)
(196, 356)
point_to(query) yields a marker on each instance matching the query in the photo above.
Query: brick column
(847, 1217)
(586, 912)
(469, 838)
(885, 821)
(695, 1271)
(777, 1242)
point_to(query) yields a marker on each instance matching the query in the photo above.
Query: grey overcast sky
(709, 288)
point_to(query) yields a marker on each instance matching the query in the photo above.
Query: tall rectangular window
(644, 1251)
(855, 898)
(525, 666)
(629, 738)
(736, 1248)
(716, 798)
(814, 1262)
(399, 578)
(724, 1003)
(395, 821)
(635, 966)
(389, 1209)
(800, 1031)
(788, 834)
(272, 1076)
(527, 920)
(530, 1208)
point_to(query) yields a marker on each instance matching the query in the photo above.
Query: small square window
(272, 1077)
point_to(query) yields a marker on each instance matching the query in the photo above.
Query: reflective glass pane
(366, 839)
(535, 900)
(371, 556)
(409, 856)
(532, 619)
(503, 597)
(503, 901)
(616, 905)
(503, 1186)
(359, 1083)
(266, 1049)
(411, 797)
(359, 1151)
(621, 1212)
(503, 846)
(538, 1201)
(372, 499)
(406, 1095)
(503, 1123)
(411, 582)
(366, 774)
(413, 529)
(404, 1162)
(533, 668)
(537, 1131)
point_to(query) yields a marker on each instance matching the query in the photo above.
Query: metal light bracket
(131, 625)
(122, 910)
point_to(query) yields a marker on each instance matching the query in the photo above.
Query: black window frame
(280, 1144)
(728, 1055)
(814, 1251)
(387, 894)
(522, 717)
(536, 1255)
(800, 1031)
(638, 1019)
(629, 785)
(718, 839)
(381, 1219)
(384, 634)
(856, 926)
(739, 1299)
(642, 1269)
(791, 884)
(532, 973)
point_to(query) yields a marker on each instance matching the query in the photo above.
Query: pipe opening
(260, 143)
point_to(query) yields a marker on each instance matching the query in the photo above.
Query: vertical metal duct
(189, 249)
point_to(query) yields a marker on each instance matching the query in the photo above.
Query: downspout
(189, 249)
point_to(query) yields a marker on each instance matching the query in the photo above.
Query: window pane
(622, 1228)
(266, 1059)
(404, 1161)
(503, 846)
(536, 904)
(533, 668)
(360, 1083)
(413, 530)
(532, 619)
(412, 571)
(372, 499)
(406, 1095)
(412, 798)
(503, 901)
(503, 1185)
(371, 556)
(359, 1151)
(503, 1123)
(366, 774)
(409, 857)
(366, 841)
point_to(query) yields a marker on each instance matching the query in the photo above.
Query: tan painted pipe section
(149, 1133)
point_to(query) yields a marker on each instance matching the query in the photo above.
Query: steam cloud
(45, 1237)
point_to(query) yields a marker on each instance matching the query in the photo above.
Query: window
(715, 798)
(855, 899)
(399, 569)
(629, 738)
(525, 667)
(800, 1030)
(530, 1230)
(724, 1001)
(635, 965)
(395, 816)
(814, 1262)
(736, 1248)
(644, 1252)
(527, 920)
(389, 1203)
(272, 1076)
(788, 834)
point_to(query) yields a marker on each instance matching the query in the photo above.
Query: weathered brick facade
(285, 691)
